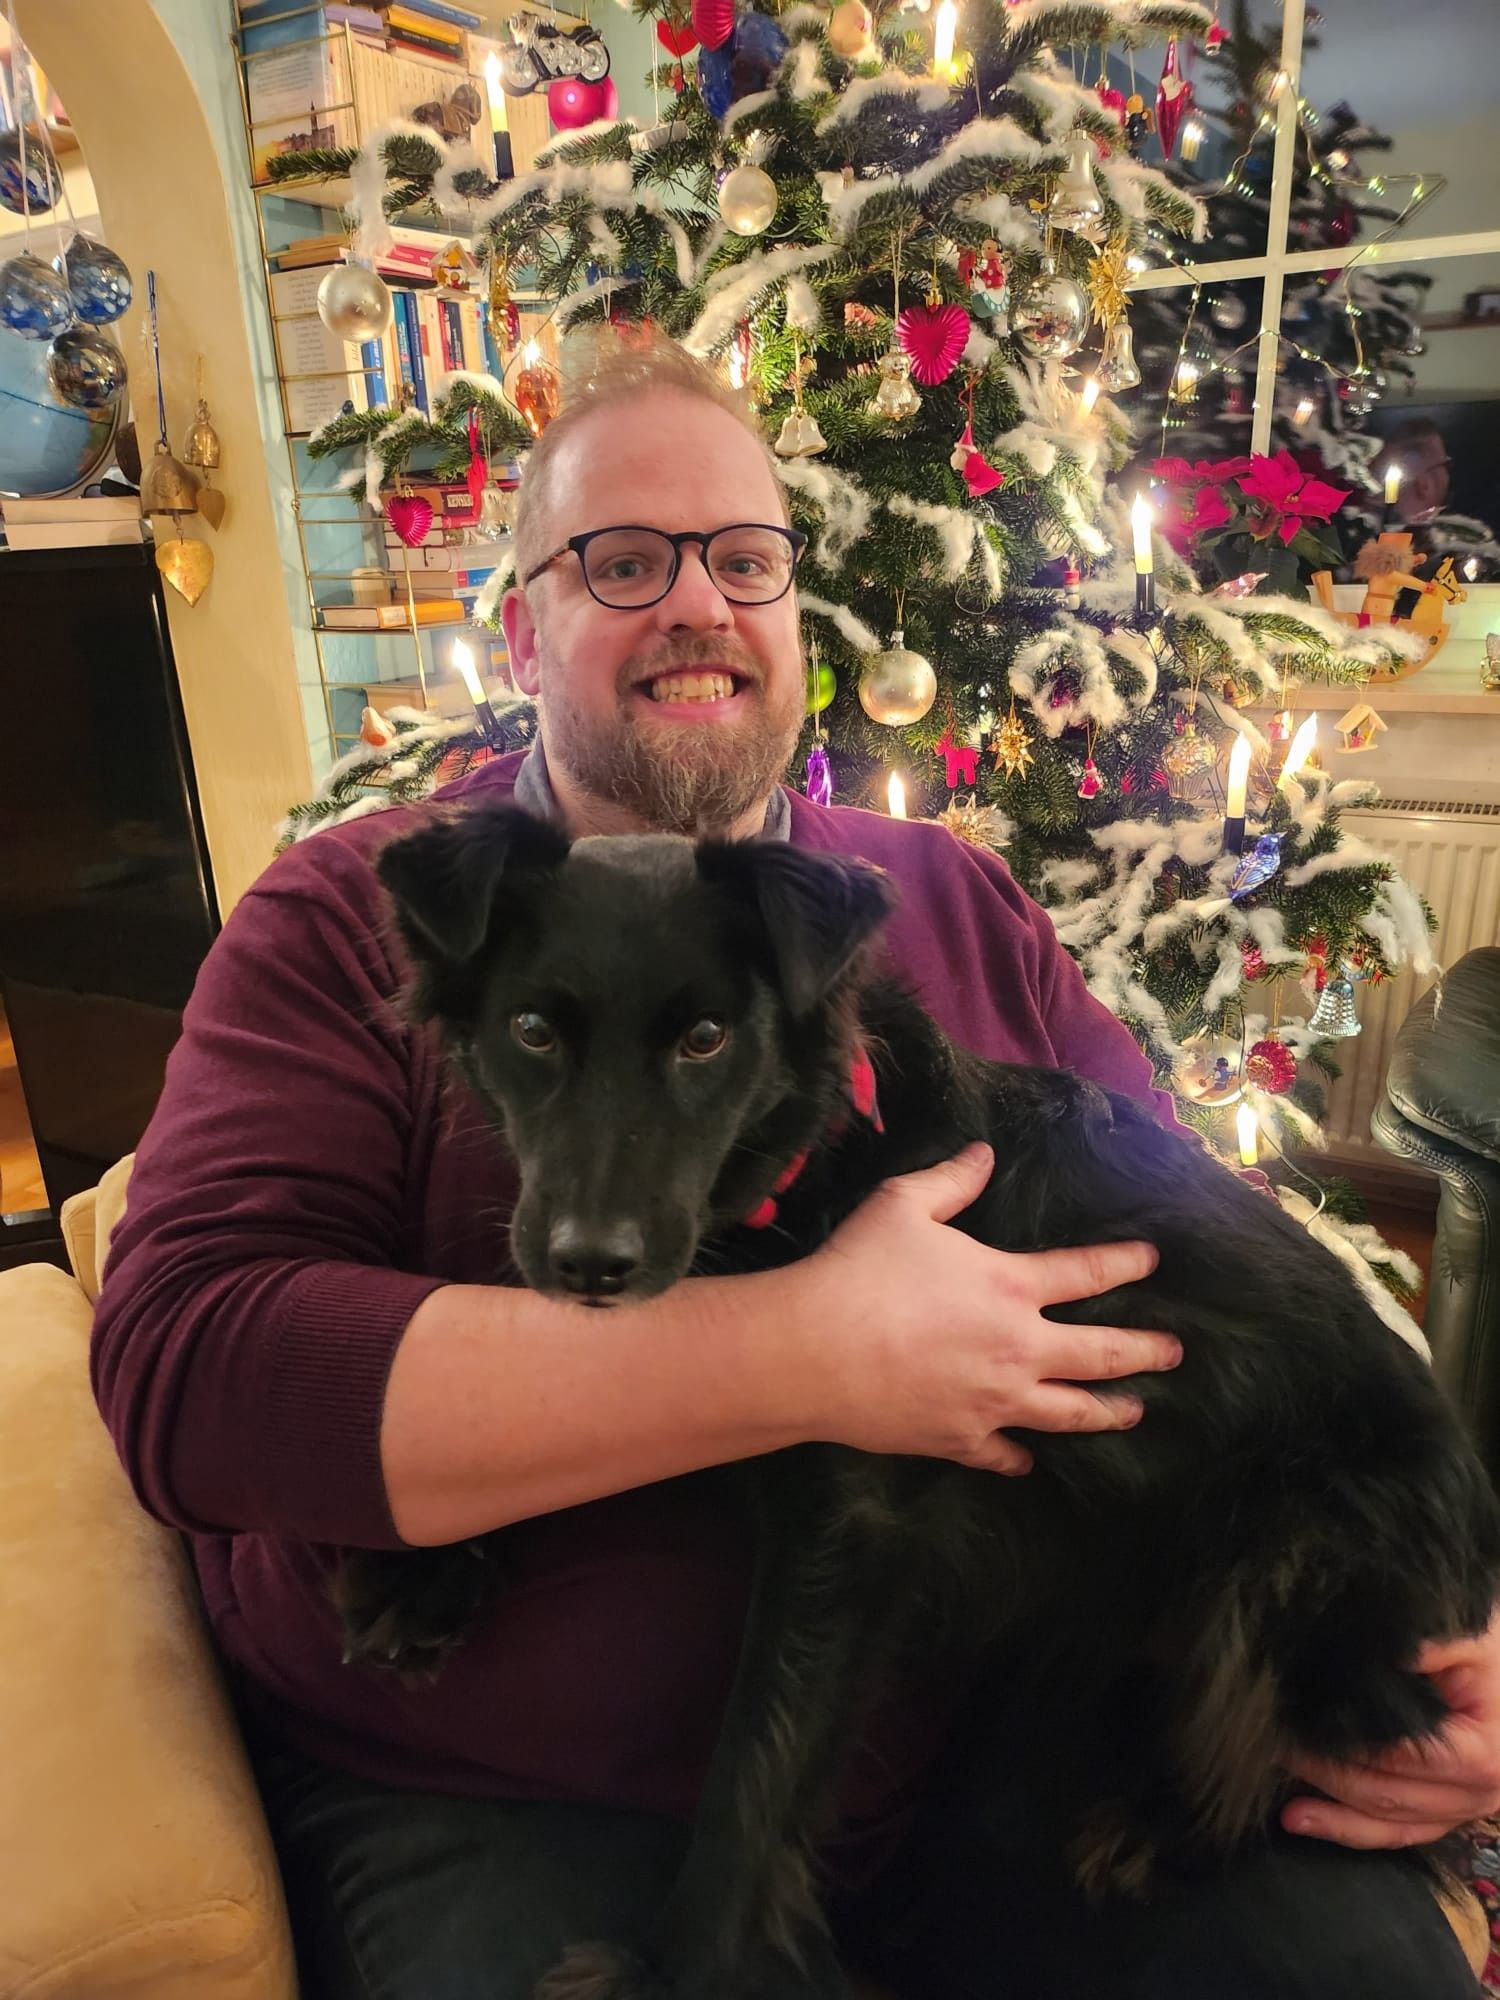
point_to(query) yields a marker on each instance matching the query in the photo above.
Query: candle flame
(531, 354)
(1088, 395)
(463, 665)
(896, 794)
(1247, 1131)
(1142, 517)
(945, 30)
(1392, 484)
(1301, 749)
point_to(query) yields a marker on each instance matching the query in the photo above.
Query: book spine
(403, 341)
(453, 333)
(372, 360)
(439, 10)
(408, 304)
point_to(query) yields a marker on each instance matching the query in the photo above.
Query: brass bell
(202, 446)
(167, 487)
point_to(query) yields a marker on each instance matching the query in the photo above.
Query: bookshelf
(311, 80)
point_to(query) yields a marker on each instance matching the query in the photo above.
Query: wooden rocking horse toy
(1385, 565)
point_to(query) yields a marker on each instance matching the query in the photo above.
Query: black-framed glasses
(630, 568)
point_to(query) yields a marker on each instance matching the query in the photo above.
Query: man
(302, 1342)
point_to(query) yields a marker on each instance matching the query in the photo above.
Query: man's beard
(691, 778)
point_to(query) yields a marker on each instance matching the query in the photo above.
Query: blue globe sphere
(46, 447)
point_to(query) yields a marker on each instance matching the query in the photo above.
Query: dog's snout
(595, 1260)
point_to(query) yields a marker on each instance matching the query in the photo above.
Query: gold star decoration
(1012, 746)
(981, 826)
(1107, 281)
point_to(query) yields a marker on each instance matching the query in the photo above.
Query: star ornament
(1012, 746)
(1107, 275)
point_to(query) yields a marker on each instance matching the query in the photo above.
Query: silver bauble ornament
(86, 369)
(1076, 202)
(1053, 317)
(98, 281)
(1228, 311)
(747, 200)
(898, 686)
(354, 303)
(34, 301)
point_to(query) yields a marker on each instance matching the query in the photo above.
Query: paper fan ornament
(410, 516)
(935, 337)
(713, 21)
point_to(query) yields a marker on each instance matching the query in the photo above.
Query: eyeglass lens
(749, 565)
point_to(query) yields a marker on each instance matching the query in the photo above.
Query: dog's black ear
(444, 878)
(816, 909)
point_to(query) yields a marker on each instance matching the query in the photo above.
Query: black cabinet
(106, 901)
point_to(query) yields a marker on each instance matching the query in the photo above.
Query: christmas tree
(898, 246)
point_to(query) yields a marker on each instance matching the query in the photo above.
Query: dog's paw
(602, 1972)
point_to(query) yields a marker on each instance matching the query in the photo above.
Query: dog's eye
(705, 1038)
(534, 1032)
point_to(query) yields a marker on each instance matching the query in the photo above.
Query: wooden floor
(20, 1175)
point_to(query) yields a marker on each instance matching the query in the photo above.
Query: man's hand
(929, 1343)
(1418, 1791)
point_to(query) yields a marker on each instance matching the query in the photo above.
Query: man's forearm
(502, 1405)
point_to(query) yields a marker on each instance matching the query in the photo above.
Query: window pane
(1422, 80)
(1197, 393)
(1428, 335)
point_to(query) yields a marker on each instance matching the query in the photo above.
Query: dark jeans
(405, 1896)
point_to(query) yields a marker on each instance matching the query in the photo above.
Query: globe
(46, 447)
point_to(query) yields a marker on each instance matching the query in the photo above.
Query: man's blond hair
(603, 368)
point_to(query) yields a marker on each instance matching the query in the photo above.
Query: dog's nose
(596, 1261)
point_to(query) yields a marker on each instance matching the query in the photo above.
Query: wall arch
(154, 151)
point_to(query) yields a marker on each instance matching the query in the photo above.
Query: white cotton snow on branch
(843, 503)
(495, 587)
(1267, 931)
(983, 138)
(748, 107)
(802, 308)
(733, 292)
(1359, 1248)
(1066, 878)
(368, 175)
(1131, 647)
(805, 79)
(955, 529)
(1351, 852)
(1127, 181)
(855, 630)
(1398, 923)
(1013, 227)
(979, 349)
(571, 304)
(654, 137)
(925, 95)
(576, 132)
(1080, 648)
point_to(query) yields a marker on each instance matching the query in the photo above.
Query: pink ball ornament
(572, 103)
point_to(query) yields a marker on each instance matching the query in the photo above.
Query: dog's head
(659, 1025)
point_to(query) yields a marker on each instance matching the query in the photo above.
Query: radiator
(1451, 855)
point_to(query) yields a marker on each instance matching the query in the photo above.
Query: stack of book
(391, 617)
(430, 28)
(72, 523)
(455, 573)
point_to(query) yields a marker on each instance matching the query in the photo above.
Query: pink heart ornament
(410, 516)
(935, 337)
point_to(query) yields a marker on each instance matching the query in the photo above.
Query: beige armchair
(138, 1864)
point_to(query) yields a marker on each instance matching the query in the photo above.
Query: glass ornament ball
(1052, 319)
(850, 28)
(747, 200)
(898, 686)
(34, 301)
(85, 368)
(98, 281)
(43, 181)
(354, 303)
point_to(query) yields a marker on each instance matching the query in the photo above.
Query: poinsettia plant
(1249, 516)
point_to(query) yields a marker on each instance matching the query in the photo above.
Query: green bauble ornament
(821, 686)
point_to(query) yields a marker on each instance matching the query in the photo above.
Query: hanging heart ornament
(935, 336)
(410, 516)
(187, 566)
(211, 505)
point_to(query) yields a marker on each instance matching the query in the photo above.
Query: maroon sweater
(306, 1182)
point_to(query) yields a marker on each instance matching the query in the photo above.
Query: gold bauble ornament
(850, 27)
(1012, 746)
(747, 200)
(898, 686)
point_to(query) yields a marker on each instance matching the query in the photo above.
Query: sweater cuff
(325, 1400)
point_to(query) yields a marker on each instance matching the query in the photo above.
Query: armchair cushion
(1445, 1067)
(138, 1864)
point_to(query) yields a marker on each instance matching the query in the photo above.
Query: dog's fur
(1181, 1606)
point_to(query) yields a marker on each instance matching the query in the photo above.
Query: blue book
(372, 361)
(403, 341)
(491, 352)
(439, 10)
(407, 304)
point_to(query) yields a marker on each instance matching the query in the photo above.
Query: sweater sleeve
(251, 1304)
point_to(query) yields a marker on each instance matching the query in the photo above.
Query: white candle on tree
(1234, 801)
(1141, 520)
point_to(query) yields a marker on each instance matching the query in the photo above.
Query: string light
(1303, 414)
(1194, 132)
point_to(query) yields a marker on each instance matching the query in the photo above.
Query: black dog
(662, 1031)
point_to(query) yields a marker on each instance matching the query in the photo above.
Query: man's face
(1425, 482)
(627, 716)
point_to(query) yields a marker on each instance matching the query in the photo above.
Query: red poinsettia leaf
(1321, 500)
(934, 337)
